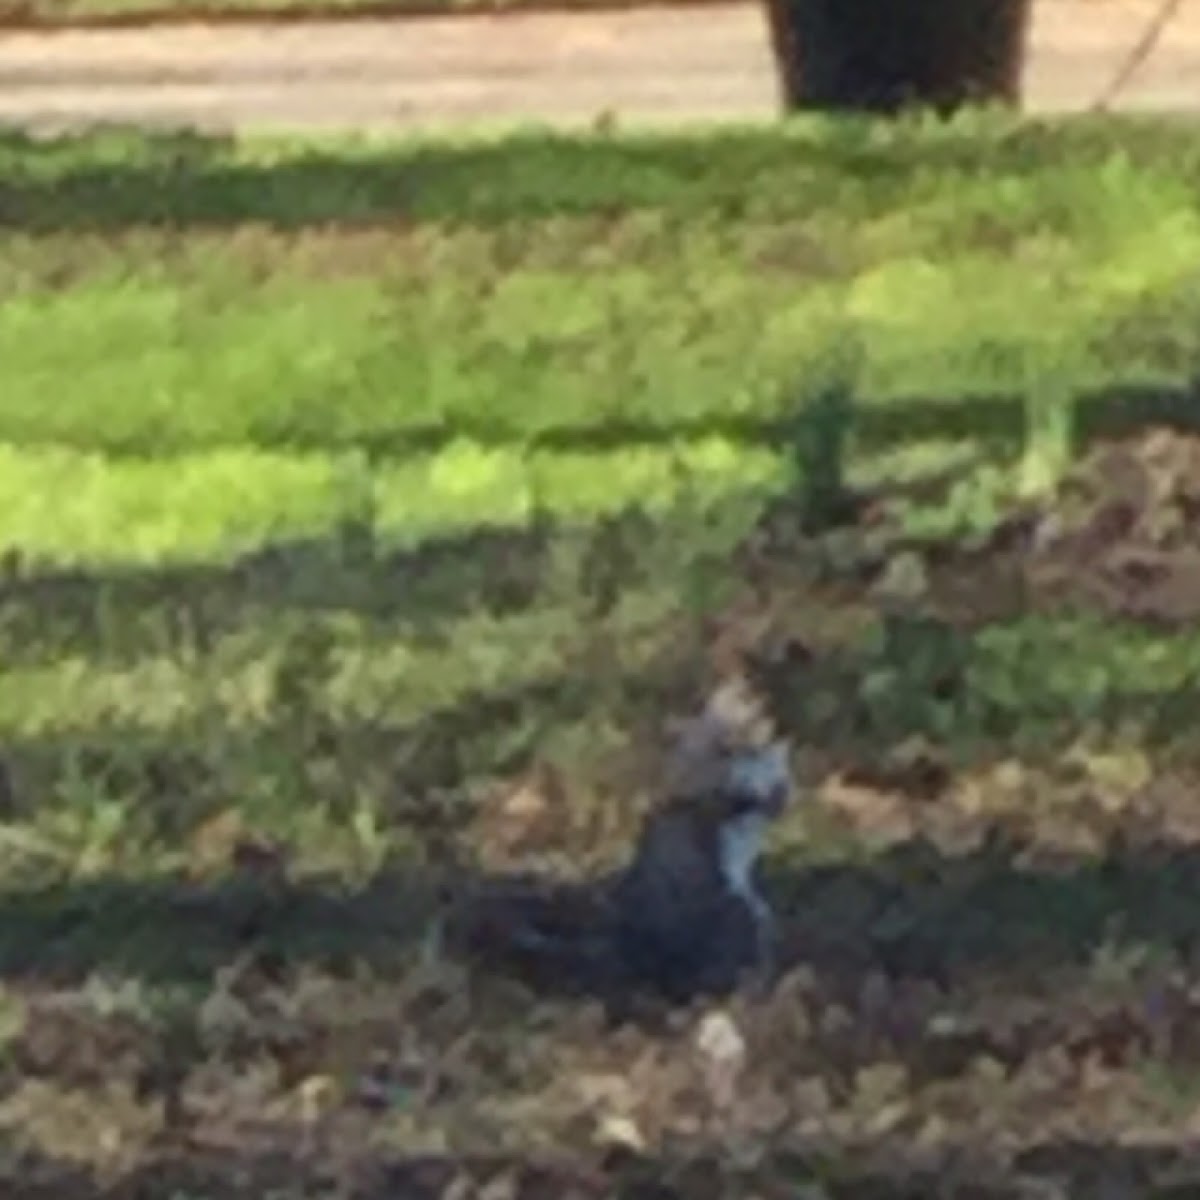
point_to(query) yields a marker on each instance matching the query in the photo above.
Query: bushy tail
(555, 936)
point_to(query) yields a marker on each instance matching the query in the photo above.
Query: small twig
(1141, 51)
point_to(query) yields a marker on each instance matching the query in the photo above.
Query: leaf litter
(990, 987)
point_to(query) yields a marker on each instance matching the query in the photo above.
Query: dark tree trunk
(884, 55)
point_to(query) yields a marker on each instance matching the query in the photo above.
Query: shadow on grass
(105, 612)
(418, 774)
(101, 612)
(128, 178)
(173, 932)
(487, 572)
(912, 910)
(950, 682)
(994, 419)
(970, 925)
(917, 912)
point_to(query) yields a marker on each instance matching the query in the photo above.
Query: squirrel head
(758, 780)
(728, 756)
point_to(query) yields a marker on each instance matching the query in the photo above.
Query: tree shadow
(501, 571)
(956, 921)
(133, 178)
(979, 924)
(994, 418)
(494, 572)
(1001, 420)
(932, 678)
(913, 910)
(993, 919)
(172, 932)
(419, 774)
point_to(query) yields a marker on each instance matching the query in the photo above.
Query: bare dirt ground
(658, 66)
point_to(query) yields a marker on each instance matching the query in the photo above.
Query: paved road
(648, 66)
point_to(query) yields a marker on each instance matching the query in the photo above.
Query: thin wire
(1141, 51)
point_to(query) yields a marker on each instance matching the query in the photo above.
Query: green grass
(324, 354)
(329, 356)
(487, 329)
(342, 481)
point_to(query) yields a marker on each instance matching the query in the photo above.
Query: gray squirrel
(689, 916)
(685, 917)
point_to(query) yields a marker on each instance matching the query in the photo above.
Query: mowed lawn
(257, 381)
(345, 483)
(456, 335)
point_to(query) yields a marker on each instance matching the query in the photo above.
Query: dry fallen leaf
(871, 811)
(904, 581)
(527, 816)
(317, 1094)
(620, 1132)
(722, 1051)
(502, 1187)
(213, 844)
